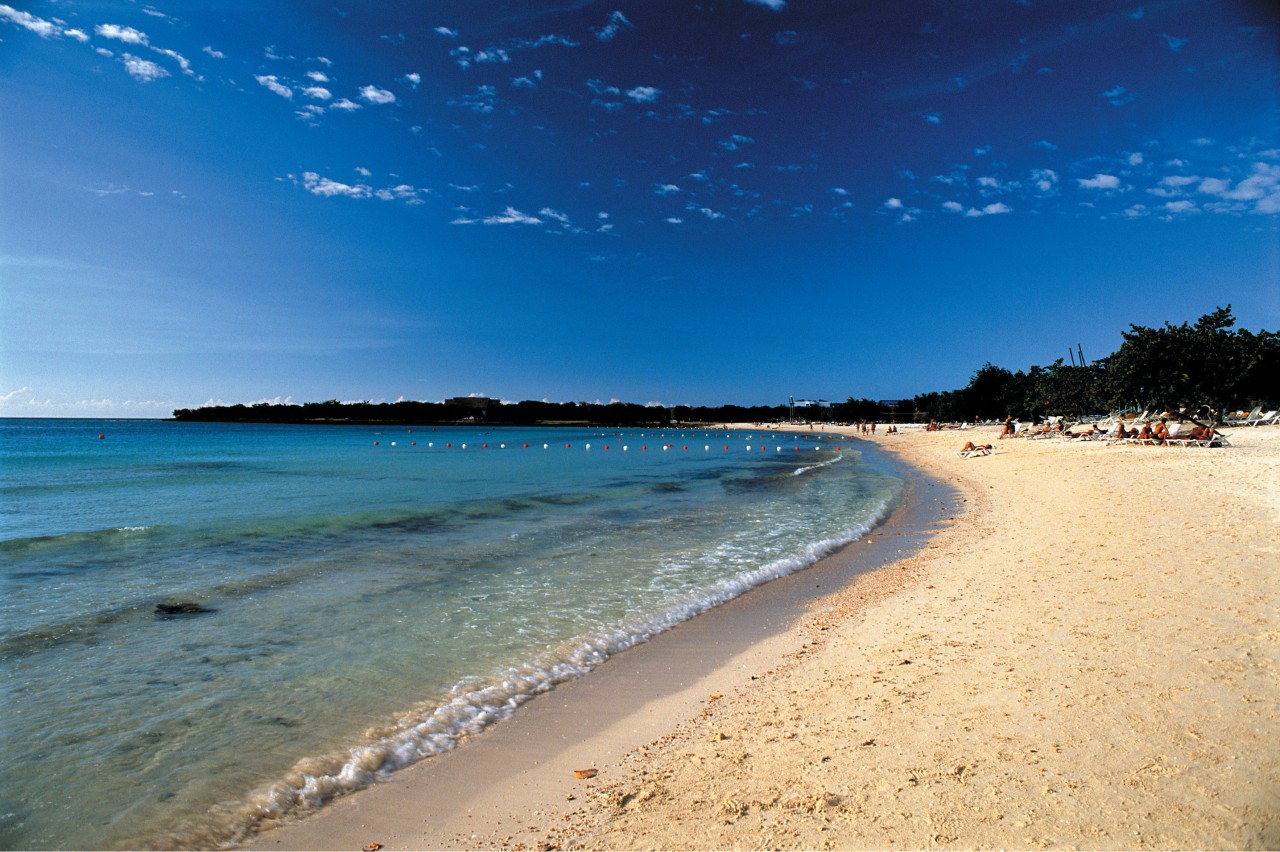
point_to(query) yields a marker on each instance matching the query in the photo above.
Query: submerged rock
(166, 610)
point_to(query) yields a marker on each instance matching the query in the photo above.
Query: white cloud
(1044, 144)
(735, 142)
(1044, 179)
(128, 35)
(775, 5)
(363, 172)
(932, 117)
(374, 95)
(1135, 159)
(644, 94)
(216, 54)
(996, 209)
(1214, 186)
(617, 23)
(1175, 44)
(22, 390)
(446, 32)
(1099, 181)
(1262, 188)
(318, 76)
(414, 80)
(320, 93)
(894, 204)
(511, 216)
(1118, 95)
(142, 70)
(346, 104)
(953, 206)
(79, 35)
(28, 21)
(272, 82)
(176, 57)
(674, 220)
(326, 188)
(982, 152)
(667, 189)
(401, 192)
(1183, 206)
(705, 211)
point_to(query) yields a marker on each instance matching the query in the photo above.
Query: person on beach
(1144, 433)
(1093, 429)
(969, 447)
(1160, 430)
(1007, 431)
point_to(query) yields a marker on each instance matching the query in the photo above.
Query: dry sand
(1085, 657)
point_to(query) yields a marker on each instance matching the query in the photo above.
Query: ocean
(365, 597)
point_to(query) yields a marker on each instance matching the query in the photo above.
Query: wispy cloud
(1118, 95)
(375, 95)
(325, 187)
(272, 83)
(617, 23)
(28, 21)
(128, 35)
(1099, 181)
(142, 70)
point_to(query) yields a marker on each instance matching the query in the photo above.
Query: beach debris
(371, 847)
(167, 610)
(586, 773)
(715, 696)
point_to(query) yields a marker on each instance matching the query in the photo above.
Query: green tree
(1201, 366)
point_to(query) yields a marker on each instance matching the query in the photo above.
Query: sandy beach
(1082, 655)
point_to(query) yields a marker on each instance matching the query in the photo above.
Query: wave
(800, 471)
(473, 706)
(32, 545)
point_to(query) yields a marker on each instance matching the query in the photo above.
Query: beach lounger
(1264, 419)
(976, 451)
(1241, 418)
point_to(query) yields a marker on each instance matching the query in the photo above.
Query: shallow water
(374, 595)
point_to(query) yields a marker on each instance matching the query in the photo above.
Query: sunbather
(1007, 431)
(970, 447)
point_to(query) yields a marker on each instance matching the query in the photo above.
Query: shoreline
(492, 789)
(1088, 658)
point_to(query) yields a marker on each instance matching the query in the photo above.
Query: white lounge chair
(1241, 418)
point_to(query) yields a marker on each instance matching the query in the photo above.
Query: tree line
(1208, 368)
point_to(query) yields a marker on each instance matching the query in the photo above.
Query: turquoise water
(374, 595)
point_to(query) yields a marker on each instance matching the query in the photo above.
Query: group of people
(1157, 431)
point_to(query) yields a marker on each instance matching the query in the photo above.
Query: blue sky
(667, 202)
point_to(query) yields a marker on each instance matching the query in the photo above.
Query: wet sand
(1084, 655)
